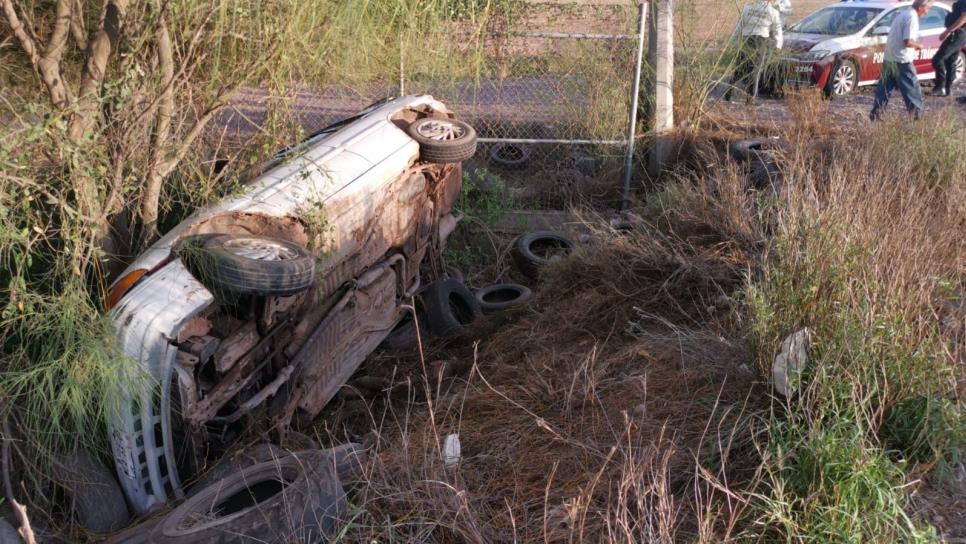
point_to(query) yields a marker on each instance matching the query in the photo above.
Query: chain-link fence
(544, 74)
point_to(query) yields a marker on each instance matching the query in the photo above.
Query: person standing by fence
(898, 70)
(759, 35)
(953, 39)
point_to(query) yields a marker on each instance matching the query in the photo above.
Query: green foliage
(861, 265)
(484, 197)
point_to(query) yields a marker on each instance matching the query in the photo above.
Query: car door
(873, 47)
(931, 25)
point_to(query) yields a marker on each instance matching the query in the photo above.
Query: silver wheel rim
(844, 79)
(259, 249)
(960, 67)
(440, 130)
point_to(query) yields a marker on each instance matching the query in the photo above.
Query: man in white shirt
(898, 71)
(759, 34)
(785, 10)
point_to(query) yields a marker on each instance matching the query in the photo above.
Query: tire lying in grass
(502, 296)
(535, 250)
(295, 498)
(443, 140)
(509, 156)
(450, 307)
(232, 463)
(92, 494)
(750, 149)
(8, 535)
(252, 265)
(403, 336)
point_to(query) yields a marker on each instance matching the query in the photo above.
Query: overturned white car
(252, 314)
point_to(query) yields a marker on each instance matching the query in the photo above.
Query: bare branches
(46, 64)
(77, 29)
(162, 129)
(103, 43)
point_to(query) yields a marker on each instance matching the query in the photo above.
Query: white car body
(357, 175)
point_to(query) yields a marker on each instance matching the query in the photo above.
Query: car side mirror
(881, 30)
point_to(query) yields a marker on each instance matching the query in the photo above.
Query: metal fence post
(635, 92)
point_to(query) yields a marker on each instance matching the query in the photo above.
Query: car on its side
(841, 47)
(251, 314)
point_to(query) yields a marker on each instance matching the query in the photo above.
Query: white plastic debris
(451, 451)
(786, 372)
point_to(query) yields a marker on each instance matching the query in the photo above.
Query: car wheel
(91, 492)
(443, 140)
(297, 497)
(509, 156)
(535, 250)
(843, 79)
(502, 296)
(960, 70)
(253, 265)
(450, 307)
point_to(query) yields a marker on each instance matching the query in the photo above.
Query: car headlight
(812, 56)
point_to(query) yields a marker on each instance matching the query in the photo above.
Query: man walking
(759, 32)
(953, 39)
(897, 69)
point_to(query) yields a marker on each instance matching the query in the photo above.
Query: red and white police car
(842, 46)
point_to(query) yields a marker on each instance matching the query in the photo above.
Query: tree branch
(162, 132)
(26, 42)
(77, 29)
(99, 49)
(46, 64)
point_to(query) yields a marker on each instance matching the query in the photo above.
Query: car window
(837, 21)
(934, 18)
(886, 20)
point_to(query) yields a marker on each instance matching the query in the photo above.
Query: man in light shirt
(898, 71)
(759, 34)
(785, 10)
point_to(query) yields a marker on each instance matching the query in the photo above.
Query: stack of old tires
(447, 308)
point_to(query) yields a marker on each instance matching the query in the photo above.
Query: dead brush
(588, 421)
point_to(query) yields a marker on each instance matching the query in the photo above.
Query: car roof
(883, 4)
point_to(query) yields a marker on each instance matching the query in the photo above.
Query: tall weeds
(867, 251)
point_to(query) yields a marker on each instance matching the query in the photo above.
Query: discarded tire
(252, 265)
(510, 156)
(502, 296)
(403, 336)
(450, 307)
(8, 535)
(233, 463)
(443, 140)
(296, 498)
(455, 273)
(535, 250)
(93, 496)
(746, 150)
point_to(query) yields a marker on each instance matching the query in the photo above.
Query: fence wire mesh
(558, 71)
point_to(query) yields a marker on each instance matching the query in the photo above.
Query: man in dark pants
(953, 39)
(898, 71)
(759, 33)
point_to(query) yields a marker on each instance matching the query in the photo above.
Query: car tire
(233, 463)
(253, 265)
(510, 156)
(450, 307)
(297, 497)
(502, 296)
(534, 250)
(91, 492)
(842, 80)
(442, 140)
(751, 149)
(960, 72)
